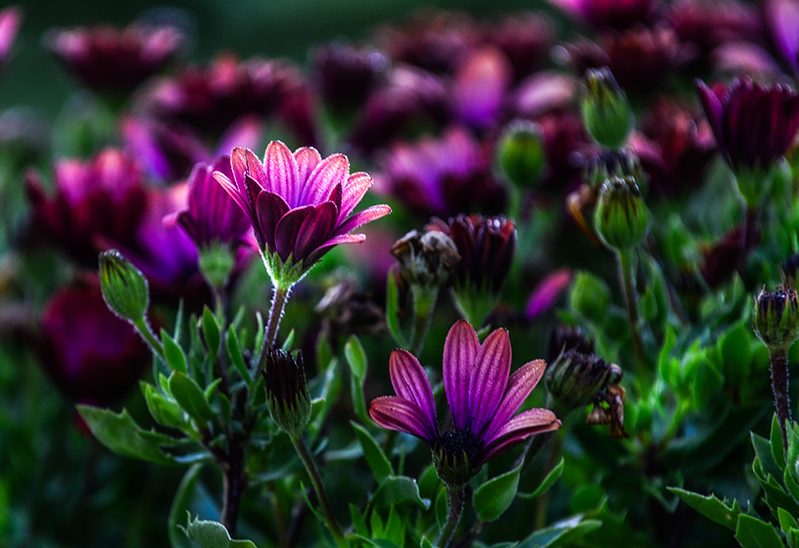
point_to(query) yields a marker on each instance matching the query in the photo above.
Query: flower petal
(281, 172)
(328, 173)
(232, 191)
(288, 227)
(363, 217)
(316, 229)
(461, 350)
(354, 190)
(394, 413)
(520, 427)
(307, 158)
(271, 208)
(714, 110)
(489, 379)
(320, 251)
(411, 383)
(243, 161)
(520, 385)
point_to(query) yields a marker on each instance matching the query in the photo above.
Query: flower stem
(280, 295)
(143, 327)
(455, 500)
(234, 485)
(779, 387)
(424, 303)
(625, 258)
(319, 488)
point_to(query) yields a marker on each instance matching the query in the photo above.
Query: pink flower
(547, 293)
(10, 19)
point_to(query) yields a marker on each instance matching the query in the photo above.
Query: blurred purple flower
(609, 14)
(721, 259)
(544, 92)
(641, 58)
(547, 293)
(524, 39)
(782, 22)
(102, 198)
(443, 176)
(91, 355)
(10, 20)
(346, 74)
(481, 82)
(482, 396)
(735, 58)
(564, 139)
(211, 217)
(111, 59)
(754, 124)
(300, 205)
(211, 98)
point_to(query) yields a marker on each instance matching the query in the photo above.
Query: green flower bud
(124, 287)
(521, 154)
(776, 317)
(426, 259)
(216, 263)
(613, 163)
(590, 297)
(621, 217)
(607, 115)
(286, 390)
(575, 379)
(456, 455)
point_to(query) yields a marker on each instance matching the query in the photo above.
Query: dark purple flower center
(456, 442)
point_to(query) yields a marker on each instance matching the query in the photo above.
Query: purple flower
(10, 19)
(346, 74)
(92, 356)
(212, 217)
(547, 293)
(608, 14)
(782, 21)
(524, 39)
(102, 198)
(212, 97)
(481, 83)
(641, 58)
(300, 205)
(443, 176)
(110, 59)
(754, 124)
(482, 395)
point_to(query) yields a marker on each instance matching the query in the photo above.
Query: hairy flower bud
(621, 217)
(426, 259)
(776, 317)
(612, 163)
(286, 390)
(125, 288)
(576, 378)
(606, 113)
(590, 296)
(521, 154)
(568, 337)
(456, 456)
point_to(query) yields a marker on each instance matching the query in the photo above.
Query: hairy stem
(143, 327)
(779, 387)
(280, 295)
(455, 500)
(627, 282)
(319, 488)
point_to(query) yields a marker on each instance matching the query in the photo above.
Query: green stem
(455, 500)
(143, 327)
(424, 304)
(627, 281)
(319, 488)
(280, 296)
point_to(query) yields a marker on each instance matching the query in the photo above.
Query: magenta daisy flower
(482, 395)
(300, 205)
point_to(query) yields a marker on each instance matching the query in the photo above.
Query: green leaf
(374, 455)
(395, 490)
(548, 481)
(236, 356)
(493, 497)
(190, 397)
(735, 350)
(288, 343)
(775, 441)
(561, 533)
(752, 532)
(392, 309)
(212, 534)
(173, 353)
(710, 506)
(165, 411)
(181, 503)
(787, 521)
(211, 332)
(356, 357)
(120, 433)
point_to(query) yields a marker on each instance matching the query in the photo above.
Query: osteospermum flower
(111, 59)
(9, 26)
(482, 396)
(300, 205)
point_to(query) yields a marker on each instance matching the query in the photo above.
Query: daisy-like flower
(300, 205)
(482, 396)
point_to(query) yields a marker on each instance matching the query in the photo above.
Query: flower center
(457, 442)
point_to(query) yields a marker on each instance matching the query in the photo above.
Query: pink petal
(411, 383)
(520, 385)
(281, 172)
(521, 427)
(713, 108)
(307, 158)
(270, 209)
(287, 230)
(327, 174)
(316, 229)
(354, 191)
(331, 243)
(243, 161)
(363, 217)
(547, 293)
(394, 413)
(489, 379)
(461, 350)
(232, 191)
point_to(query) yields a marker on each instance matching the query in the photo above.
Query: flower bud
(621, 217)
(607, 115)
(456, 456)
(521, 154)
(590, 297)
(426, 259)
(776, 317)
(612, 163)
(575, 379)
(124, 287)
(568, 337)
(216, 263)
(286, 390)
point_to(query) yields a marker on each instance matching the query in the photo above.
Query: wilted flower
(621, 217)
(10, 19)
(102, 198)
(609, 409)
(482, 396)
(609, 14)
(607, 115)
(547, 293)
(212, 97)
(568, 337)
(754, 126)
(286, 390)
(110, 59)
(775, 318)
(523, 38)
(576, 378)
(92, 355)
(299, 205)
(443, 176)
(346, 74)
(426, 259)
